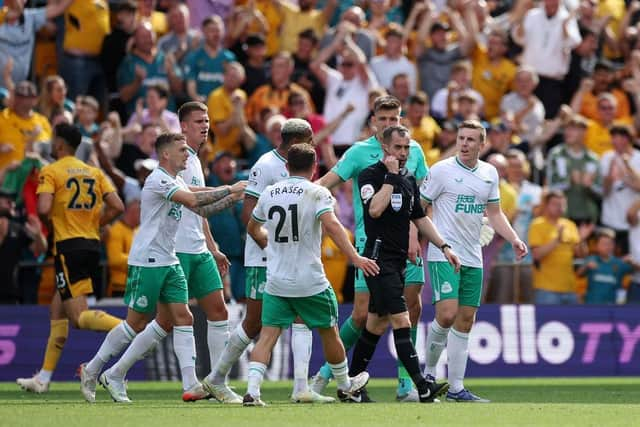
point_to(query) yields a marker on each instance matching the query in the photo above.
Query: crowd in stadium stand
(556, 83)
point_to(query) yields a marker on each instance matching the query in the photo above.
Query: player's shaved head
(167, 139)
(301, 158)
(295, 131)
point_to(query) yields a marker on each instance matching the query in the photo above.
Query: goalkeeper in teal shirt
(386, 112)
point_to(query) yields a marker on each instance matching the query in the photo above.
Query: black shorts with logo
(386, 290)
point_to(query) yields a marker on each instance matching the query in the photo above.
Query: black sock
(409, 358)
(363, 352)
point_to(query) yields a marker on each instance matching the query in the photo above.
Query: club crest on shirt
(396, 201)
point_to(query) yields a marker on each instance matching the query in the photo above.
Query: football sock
(404, 379)
(140, 346)
(97, 320)
(458, 353)
(58, 333)
(256, 374)
(238, 342)
(349, 334)
(340, 373)
(217, 338)
(184, 345)
(115, 341)
(44, 376)
(407, 354)
(301, 342)
(436, 342)
(363, 352)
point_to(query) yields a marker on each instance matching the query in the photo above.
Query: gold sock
(97, 320)
(57, 337)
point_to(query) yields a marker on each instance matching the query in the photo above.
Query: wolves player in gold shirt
(72, 194)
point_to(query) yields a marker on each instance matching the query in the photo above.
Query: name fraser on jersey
(290, 189)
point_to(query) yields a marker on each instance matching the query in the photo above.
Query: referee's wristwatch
(445, 246)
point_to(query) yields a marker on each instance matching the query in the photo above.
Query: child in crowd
(605, 272)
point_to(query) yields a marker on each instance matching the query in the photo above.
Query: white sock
(340, 372)
(301, 343)
(138, 349)
(238, 343)
(217, 338)
(44, 376)
(458, 352)
(436, 342)
(115, 341)
(184, 345)
(256, 374)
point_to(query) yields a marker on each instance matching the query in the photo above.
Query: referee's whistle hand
(368, 266)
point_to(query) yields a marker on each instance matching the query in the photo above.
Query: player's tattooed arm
(207, 197)
(217, 206)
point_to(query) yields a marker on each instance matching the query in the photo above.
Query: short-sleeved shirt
(434, 67)
(459, 196)
(362, 155)
(554, 272)
(339, 94)
(17, 40)
(621, 196)
(392, 227)
(220, 110)
(14, 130)
(86, 26)
(155, 243)
(156, 73)
(206, 71)
(290, 211)
(269, 169)
(605, 280)
(492, 79)
(294, 21)
(192, 240)
(78, 192)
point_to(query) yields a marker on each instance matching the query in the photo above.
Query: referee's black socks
(363, 352)
(409, 358)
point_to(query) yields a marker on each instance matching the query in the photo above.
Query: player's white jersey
(459, 196)
(290, 210)
(192, 240)
(154, 244)
(269, 169)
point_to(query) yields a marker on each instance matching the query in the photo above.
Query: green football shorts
(316, 311)
(146, 286)
(465, 286)
(201, 272)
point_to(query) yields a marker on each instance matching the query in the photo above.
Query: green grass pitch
(554, 401)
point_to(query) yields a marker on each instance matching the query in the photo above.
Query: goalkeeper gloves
(486, 232)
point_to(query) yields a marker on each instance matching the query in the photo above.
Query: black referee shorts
(386, 290)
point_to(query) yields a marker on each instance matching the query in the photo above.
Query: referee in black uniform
(391, 199)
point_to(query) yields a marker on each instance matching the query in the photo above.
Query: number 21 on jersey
(282, 217)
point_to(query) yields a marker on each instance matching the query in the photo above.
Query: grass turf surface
(540, 401)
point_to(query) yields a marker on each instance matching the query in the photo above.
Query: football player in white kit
(268, 170)
(294, 212)
(461, 189)
(155, 278)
